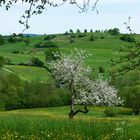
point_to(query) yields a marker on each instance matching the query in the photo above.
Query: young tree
(52, 54)
(70, 71)
(114, 31)
(85, 31)
(27, 41)
(91, 31)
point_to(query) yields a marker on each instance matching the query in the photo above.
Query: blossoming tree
(70, 71)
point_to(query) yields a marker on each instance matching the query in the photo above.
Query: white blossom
(70, 70)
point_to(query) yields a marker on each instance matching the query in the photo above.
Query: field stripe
(5, 69)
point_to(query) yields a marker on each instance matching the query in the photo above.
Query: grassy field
(101, 50)
(53, 123)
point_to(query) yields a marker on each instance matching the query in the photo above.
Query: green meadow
(101, 51)
(52, 123)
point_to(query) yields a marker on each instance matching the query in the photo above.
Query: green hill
(103, 48)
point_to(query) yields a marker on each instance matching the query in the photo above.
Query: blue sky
(112, 13)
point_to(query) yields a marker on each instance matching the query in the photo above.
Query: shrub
(71, 31)
(49, 54)
(114, 31)
(125, 111)
(72, 38)
(85, 31)
(66, 33)
(78, 31)
(27, 41)
(111, 112)
(102, 37)
(91, 31)
(49, 37)
(80, 35)
(92, 38)
(101, 69)
(127, 38)
(132, 98)
(47, 44)
(36, 62)
(16, 94)
(15, 38)
(16, 51)
(129, 89)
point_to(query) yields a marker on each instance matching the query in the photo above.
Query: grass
(53, 124)
(102, 51)
(30, 73)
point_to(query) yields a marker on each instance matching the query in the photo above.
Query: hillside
(103, 48)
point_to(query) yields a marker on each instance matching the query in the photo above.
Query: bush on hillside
(47, 44)
(132, 98)
(102, 37)
(49, 37)
(92, 38)
(27, 41)
(81, 35)
(16, 94)
(114, 31)
(66, 33)
(128, 38)
(36, 62)
(15, 38)
(85, 31)
(129, 89)
(50, 54)
(111, 112)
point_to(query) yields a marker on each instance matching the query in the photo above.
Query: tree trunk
(71, 114)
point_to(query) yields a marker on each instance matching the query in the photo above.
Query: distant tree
(15, 38)
(2, 40)
(85, 31)
(97, 31)
(80, 35)
(91, 31)
(27, 41)
(92, 38)
(52, 54)
(46, 44)
(78, 31)
(114, 31)
(72, 38)
(70, 71)
(71, 31)
(101, 71)
(49, 37)
(66, 33)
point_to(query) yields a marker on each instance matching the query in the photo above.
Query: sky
(112, 13)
